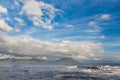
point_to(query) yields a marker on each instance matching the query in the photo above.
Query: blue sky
(79, 29)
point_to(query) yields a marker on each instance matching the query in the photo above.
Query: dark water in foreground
(37, 71)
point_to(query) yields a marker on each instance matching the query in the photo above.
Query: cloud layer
(4, 26)
(40, 13)
(3, 10)
(25, 45)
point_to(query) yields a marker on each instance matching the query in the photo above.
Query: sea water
(38, 71)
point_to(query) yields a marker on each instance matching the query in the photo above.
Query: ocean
(37, 71)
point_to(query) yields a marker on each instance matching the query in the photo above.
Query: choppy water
(35, 71)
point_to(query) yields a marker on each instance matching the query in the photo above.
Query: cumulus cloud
(3, 10)
(24, 45)
(105, 17)
(4, 26)
(40, 13)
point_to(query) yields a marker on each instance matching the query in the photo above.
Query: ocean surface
(37, 71)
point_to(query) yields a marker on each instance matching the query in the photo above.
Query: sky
(51, 29)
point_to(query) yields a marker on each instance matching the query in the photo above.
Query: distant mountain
(21, 60)
(62, 61)
(66, 61)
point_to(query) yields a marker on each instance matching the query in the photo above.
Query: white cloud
(69, 26)
(40, 13)
(4, 26)
(5, 56)
(92, 23)
(95, 25)
(92, 31)
(3, 10)
(20, 21)
(17, 30)
(8, 19)
(24, 45)
(16, 3)
(113, 43)
(2, 56)
(105, 17)
(110, 58)
(102, 37)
